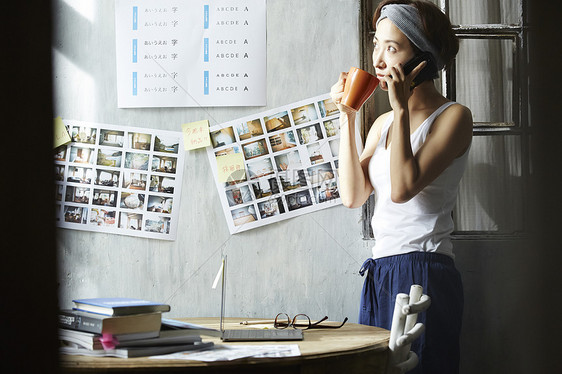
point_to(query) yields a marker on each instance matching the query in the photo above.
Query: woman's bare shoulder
(454, 125)
(459, 113)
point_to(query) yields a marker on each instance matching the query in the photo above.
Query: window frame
(520, 127)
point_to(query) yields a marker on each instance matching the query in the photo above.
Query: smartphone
(428, 72)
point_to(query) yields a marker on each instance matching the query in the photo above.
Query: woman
(413, 160)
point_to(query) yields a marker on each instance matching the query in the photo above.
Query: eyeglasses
(302, 322)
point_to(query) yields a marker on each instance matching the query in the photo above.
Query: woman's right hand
(336, 94)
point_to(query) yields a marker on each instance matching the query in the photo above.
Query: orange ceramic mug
(359, 86)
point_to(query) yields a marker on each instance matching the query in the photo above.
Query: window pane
(484, 79)
(475, 12)
(491, 191)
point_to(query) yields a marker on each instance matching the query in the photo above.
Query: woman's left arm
(450, 137)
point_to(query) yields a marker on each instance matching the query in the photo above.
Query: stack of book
(123, 327)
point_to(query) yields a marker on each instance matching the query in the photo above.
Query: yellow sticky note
(230, 167)
(61, 135)
(196, 134)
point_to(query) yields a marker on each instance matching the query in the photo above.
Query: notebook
(248, 335)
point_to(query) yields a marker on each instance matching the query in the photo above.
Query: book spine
(73, 321)
(128, 310)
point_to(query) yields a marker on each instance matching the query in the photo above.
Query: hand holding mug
(337, 90)
(359, 86)
(352, 89)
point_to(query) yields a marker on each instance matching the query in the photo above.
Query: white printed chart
(120, 180)
(290, 159)
(196, 53)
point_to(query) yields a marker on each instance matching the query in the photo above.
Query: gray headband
(408, 20)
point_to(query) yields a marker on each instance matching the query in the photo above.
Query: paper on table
(289, 350)
(234, 352)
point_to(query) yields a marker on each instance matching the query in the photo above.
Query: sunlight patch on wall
(73, 88)
(84, 7)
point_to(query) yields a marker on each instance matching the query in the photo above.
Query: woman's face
(391, 47)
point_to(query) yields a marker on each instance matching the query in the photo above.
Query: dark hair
(436, 25)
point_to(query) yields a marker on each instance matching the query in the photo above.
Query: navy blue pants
(438, 347)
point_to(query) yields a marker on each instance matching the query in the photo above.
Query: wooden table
(353, 348)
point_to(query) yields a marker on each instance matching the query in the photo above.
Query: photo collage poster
(290, 159)
(119, 180)
(196, 53)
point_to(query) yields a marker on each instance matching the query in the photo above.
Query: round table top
(351, 339)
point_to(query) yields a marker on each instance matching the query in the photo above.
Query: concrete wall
(307, 264)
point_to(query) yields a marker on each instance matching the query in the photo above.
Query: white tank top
(424, 223)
